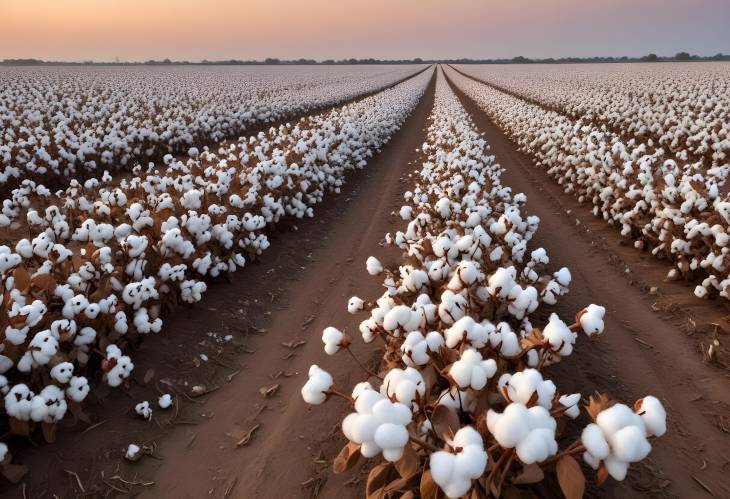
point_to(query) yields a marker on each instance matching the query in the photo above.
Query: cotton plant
(106, 258)
(462, 396)
(654, 172)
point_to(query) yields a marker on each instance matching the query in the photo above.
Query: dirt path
(644, 351)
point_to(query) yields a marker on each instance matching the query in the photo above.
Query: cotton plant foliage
(649, 152)
(101, 262)
(461, 404)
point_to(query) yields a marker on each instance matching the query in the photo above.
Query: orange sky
(253, 29)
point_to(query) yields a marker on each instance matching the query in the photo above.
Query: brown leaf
(268, 391)
(44, 282)
(428, 488)
(149, 375)
(531, 473)
(347, 458)
(246, 438)
(597, 404)
(49, 432)
(409, 464)
(378, 478)
(445, 420)
(22, 278)
(570, 477)
(602, 474)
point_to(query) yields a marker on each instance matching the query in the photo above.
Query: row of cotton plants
(674, 209)
(77, 121)
(461, 401)
(682, 108)
(106, 259)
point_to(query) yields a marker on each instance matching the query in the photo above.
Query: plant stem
(368, 371)
(424, 444)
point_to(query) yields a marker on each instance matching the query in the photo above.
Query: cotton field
(375, 281)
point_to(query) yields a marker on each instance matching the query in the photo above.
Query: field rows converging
(57, 123)
(373, 281)
(661, 201)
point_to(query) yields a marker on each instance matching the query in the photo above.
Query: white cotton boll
(653, 415)
(563, 277)
(591, 321)
(62, 372)
(616, 417)
(143, 409)
(332, 339)
(133, 452)
(406, 212)
(18, 402)
(405, 385)
(471, 371)
(452, 307)
(354, 305)
(400, 319)
(509, 427)
(522, 385)
(570, 402)
(3, 451)
(367, 328)
(320, 381)
(467, 330)
(560, 337)
(538, 445)
(594, 441)
(165, 401)
(391, 438)
(415, 349)
(502, 282)
(629, 444)
(78, 388)
(454, 473)
(373, 265)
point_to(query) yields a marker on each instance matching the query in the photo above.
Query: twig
(78, 480)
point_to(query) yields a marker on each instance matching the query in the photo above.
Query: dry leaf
(347, 458)
(409, 464)
(14, 472)
(531, 473)
(268, 391)
(445, 420)
(378, 478)
(570, 477)
(246, 438)
(428, 488)
(22, 278)
(597, 404)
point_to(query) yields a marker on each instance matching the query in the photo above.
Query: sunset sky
(388, 29)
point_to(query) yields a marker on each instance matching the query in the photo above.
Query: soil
(234, 442)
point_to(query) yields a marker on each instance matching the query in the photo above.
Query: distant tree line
(680, 56)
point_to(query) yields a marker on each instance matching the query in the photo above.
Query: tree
(682, 56)
(651, 57)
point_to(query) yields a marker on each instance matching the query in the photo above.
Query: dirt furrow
(646, 349)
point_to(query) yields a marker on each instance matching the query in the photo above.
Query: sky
(133, 30)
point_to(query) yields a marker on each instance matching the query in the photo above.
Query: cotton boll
(471, 371)
(354, 305)
(143, 409)
(404, 385)
(133, 453)
(373, 265)
(531, 432)
(333, 340)
(653, 415)
(560, 337)
(570, 402)
(78, 388)
(522, 385)
(591, 320)
(320, 382)
(62, 372)
(454, 472)
(165, 401)
(415, 349)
